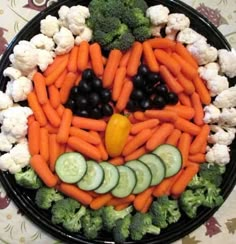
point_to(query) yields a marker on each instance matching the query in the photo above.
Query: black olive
(95, 113)
(149, 89)
(94, 99)
(88, 74)
(145, 103)
(85, 86)
(162, 90)
(74, 92)
(137, 94)
(152, 78)
(96, 84)
(138, 81)
(70, 104)
(107, 110)
(132, 106)
(159, 102)
(81, 102)
(143, 70)
(172, 98)
(105, 95)
(82, 113)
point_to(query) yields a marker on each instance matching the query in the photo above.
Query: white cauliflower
(223, 136)
(42, 41)
(6, 162)
(64, 41)
(5, 101)
(19, 89)
(227, 61)
(218, 154)
(62, 12)
(158, 14)
(217, 84)
(209, 71)
(156, 30)
(5, 144)
(202, 52)
(49, 26)
(24, 57)
(86, 35)
(228, 117)
(188, 36)
(12, 73)
(176, 22)
(14, 121)
(44, 58)
(211, 114)
(226, 98)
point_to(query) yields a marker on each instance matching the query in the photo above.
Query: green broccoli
(164, 211)
(91, 224)
(121, 230)
(142, 33)
(110, 215)
(141, 224)
(141, 4)
(69, 213)
(28, 179)
(46, 196)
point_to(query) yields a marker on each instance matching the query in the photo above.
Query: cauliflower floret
(158, 14)
(49, 26)
(211, 114)
(228, 117)
(64, 40)
(63, 11)
(86, 35)
(188, 36)
(24, 58)
(217, 84)
(226, 98)
(218, 154)
(156, 30)
(176, 22)
(19, 89)
(202, 52)
(223, 136)
(43, 42)
(6, 162)
(5, 144)
(227, 61)
(5, 101)
(209, 70)
(44, 58)
(12, 73)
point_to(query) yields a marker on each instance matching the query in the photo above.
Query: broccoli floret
(114, 8)
(46, 196)
(28, 179)
(91, 224)
(110, 215)
(197, 183)
(141, 224)
(137, 4)
(164, 211)
(142, 33)
(121, 230)
(69, 213)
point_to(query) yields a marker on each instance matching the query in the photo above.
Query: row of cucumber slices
(131, 178)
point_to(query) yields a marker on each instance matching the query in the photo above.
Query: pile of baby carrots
(54, 130)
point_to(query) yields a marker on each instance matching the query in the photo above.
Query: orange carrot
(141, 198)
(93, 194)
(111, 67)
(119, 160)
(101, 147)
(40, 87)
(54, 151)
(51, 129)
(204, 147)
(117, 201)
(60, 110)
(59, 81)
(162, 115)
(162, 43)
(84, 147)
(173, 138)
(37, 109)
(187, 84)
(134, 59)
(184, 99)
(104, 60)
(187, 126)
(40, 166)
(58, 59)
(200, 139)
(30, 119)
(54, 96)
(89, 124)
(96, 59)
(182, 182)
(66, 86)
(147, 205)
(170, 80)
(118, 83)
(182, 111)
(124, 95)
(100, 201)
(34, 137)
(73, 57)
(197, 106)
(164, 58)
(159, 136)
(74, 192)
(83, 56)
(202, 90)
(44, 144)
(122, 206)
(138, 115)
(51, 114)
(132, 118)
(148, 124)
(197, 158)
(64, 128)
(150, 57)
(136, 154)
(138, 140)
(184, 146)
(125, 58)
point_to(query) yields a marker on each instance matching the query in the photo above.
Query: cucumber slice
(111, 177)
(143, 175)
(156, 165)
(71, 167)
(126, 182)
(171, 157)
(93, 177)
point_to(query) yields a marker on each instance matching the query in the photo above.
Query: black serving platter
(24, 199)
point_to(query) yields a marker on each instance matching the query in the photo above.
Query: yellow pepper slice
(116, 134)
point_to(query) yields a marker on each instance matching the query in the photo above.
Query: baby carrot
(34, 137)
(184, 146)
(122, 206)
(51, 114)
(100, 201)
(182, 111)
(40, 87)
(147, 205)
(54, 151)
(59, 81)
(118, 83)
(150, 57)
(162, 43)
(202, 90)
(51, 129)
(137, 127)
(44, 143)
(83, 55)
(117, 201)
(54, 96)
(89, 124)
(125, 58)
(197, 106)
(187, 126)
(173, 138)
(101, 147)
(30, 119)
(162, 115)
(119, 160)
(40, 166)
(96, 59)
(124, 95)
(140, 116)
(73, 57)
(60, 110)
(197, 158)
(136, 154)
(184, 99)
(187, 84)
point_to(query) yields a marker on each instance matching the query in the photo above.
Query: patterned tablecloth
(15, 227)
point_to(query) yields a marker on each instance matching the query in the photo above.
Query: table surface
(16, 228)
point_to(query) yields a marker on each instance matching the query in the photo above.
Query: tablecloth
(17, 228)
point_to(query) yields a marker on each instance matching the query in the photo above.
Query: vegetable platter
(118, 120)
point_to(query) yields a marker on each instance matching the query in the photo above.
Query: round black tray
(24, 199)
